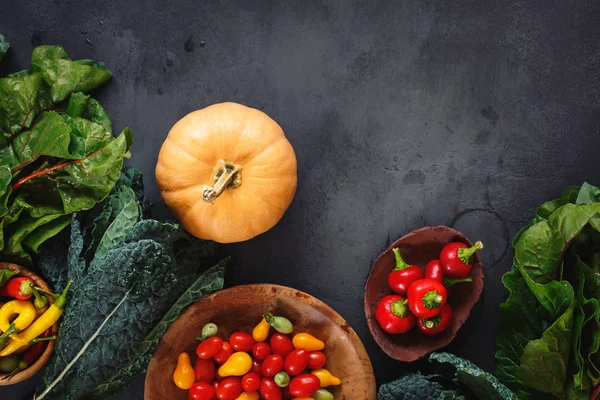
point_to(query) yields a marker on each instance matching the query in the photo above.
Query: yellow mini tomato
(238, 364)
(326, 377)
(184, 373)
(307, 342)
(248, 396)
(260, 333)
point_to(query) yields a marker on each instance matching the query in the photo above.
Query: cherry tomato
(222, 356)
(251, 382)
(201, 391)
(209, 348)
(304, 385)
(261, 350)
(296, 362)
(272, 365)
(281, 344)
(204, 370)
(316, 360)
(256, 368)
(269, 390)
(241, 341)
(229, 388)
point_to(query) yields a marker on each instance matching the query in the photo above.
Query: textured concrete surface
(402, 114)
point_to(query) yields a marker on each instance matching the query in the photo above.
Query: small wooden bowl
(36, 366)
(420, 247)
(239, 309)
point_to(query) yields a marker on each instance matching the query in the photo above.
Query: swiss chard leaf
(18, 101)
(82, 105)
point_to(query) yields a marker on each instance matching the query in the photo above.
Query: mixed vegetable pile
(249, 368)
(26, 320)
(421, 297)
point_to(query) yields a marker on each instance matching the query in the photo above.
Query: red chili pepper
(403, 275)
(426, 297)
(393, 315)
(18, 288)
(33, 353)
(434, 270)
(437, 324)
(456, 259)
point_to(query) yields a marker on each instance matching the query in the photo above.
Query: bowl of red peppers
(29, 314)
(421, 290)
(255, 342)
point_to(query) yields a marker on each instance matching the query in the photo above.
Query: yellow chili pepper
(326, 377)
(307, 342)
(248, 396)
(184, 375)
(238, 364)
(25, 311)
(39, 326)
(260, 333)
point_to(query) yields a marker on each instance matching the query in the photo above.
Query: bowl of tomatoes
(421, 290)
(260, 341)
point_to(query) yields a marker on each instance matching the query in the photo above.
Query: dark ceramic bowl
(420, 247)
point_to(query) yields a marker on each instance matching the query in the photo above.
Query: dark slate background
(402, 114)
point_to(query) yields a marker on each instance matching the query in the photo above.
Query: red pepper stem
(26, 288)
(399, 308)
(40, 301)
(449, 282)
(432, 299)
(431, 323)
(400, 263)
(41, 339)
(465, 254)
(47, 293)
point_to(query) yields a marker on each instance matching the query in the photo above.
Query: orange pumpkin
(227, 172)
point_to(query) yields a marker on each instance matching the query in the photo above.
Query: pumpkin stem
(226, 175)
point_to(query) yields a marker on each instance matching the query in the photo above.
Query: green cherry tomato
(322, 394)
(281, 379)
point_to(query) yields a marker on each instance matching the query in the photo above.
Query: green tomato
(209, 330)
(281, 379)
(322, 394)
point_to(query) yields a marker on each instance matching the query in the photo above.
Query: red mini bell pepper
(437, 324)
(434, 270)
(393, 315)
(18, 288)
(426, 297)
(403, 275)
(456, 259)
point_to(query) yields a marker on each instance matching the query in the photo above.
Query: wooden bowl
(239, 309)
(420, 247)
(36, 366)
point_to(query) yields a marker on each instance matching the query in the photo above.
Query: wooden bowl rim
(383, 341)
(302, 296)
(43, 359)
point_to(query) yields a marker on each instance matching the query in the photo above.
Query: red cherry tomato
(296, 362)
(272, 365)
(304, 385)
(316, 360)
(241, 341)
(204, 370)
(251, 382)
(209, 348)
(229, 388)
(201, 391)
(256, 368)
(281, 344)
(222, 356)
(269, 390)
(261, 350)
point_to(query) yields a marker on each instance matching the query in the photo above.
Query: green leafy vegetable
(549, 335)
(416, 387)
(132, 279)
(57, 152)
(4, 45)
